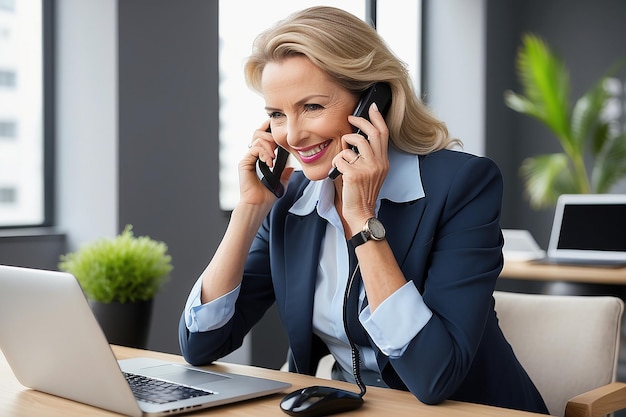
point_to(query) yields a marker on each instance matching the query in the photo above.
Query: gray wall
(168, 148)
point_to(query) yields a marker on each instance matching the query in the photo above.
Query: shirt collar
(403, 184)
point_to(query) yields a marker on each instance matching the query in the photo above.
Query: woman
(422, 313)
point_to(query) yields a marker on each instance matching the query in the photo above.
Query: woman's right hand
(251, 189)
(225, 271)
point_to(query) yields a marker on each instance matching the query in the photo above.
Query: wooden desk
(527, 270)
(17, 401)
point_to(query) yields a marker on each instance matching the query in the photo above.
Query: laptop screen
(589, 227)
(593, 227)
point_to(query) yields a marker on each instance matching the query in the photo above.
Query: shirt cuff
(212, 315)
(406, 309)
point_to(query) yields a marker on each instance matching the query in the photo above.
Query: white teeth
(313, 151)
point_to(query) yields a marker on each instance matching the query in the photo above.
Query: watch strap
(360, 238)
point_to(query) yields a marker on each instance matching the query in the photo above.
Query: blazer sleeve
(463, 262)
(257, 288)
(255, 297)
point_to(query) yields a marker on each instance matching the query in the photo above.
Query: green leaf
(586, 115)
(599, 139)
(610, 165)
(545, 81)
(546, 177)
(521, 104)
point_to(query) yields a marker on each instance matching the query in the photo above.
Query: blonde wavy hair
(355, 57)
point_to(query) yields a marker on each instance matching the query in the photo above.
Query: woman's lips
(312, 154)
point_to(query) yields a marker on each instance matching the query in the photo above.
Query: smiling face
(309, 112)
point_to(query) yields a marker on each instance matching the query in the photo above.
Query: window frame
(48, 116)
(49, 153)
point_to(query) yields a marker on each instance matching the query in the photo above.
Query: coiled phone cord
(356, 356)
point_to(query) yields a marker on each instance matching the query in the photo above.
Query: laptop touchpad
(181, 374)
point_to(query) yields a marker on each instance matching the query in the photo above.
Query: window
(8, 129)
(25, 37)
(7, 5)
(7, 79)
(242, 110)
(7, 195)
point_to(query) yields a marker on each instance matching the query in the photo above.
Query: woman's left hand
(363, 174)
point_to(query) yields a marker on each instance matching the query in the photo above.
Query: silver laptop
(589, 229)
(54, 344)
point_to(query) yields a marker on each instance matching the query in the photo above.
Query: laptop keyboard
(156, 391)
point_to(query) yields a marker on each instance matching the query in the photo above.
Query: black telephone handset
(271, 177)
(379, 93)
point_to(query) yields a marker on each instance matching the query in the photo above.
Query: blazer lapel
(401, 222)
(303, 237)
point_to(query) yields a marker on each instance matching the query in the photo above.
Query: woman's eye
(275, 114)
(313, 107)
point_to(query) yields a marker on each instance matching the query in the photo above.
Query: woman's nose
(295, 132)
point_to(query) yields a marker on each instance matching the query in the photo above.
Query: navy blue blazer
(449, 244)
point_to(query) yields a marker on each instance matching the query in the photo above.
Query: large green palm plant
(584, 136)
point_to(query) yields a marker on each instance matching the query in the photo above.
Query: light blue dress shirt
(332, 277)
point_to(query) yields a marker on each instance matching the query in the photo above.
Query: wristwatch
(373, 229)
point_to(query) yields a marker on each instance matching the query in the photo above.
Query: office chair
(569, 345)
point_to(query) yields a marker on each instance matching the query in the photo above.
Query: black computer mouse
(320, 401)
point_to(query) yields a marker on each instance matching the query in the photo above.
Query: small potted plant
(120, 278)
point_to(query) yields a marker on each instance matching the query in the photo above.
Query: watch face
(376, 228)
